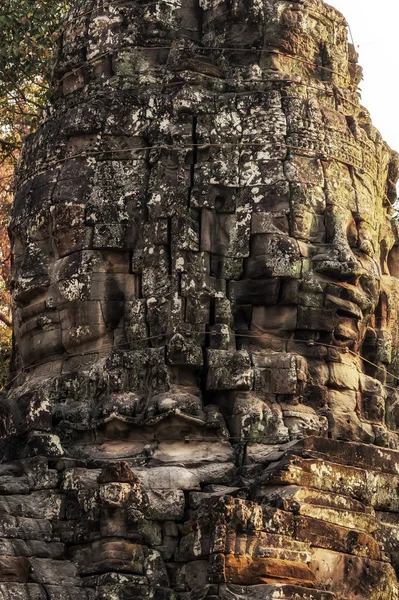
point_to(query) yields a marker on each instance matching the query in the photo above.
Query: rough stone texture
(204, 400)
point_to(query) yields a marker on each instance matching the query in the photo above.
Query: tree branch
(6, 144)
(6, 320)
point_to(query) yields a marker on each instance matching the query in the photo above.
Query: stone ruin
(204, 402)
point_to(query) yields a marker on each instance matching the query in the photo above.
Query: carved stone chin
(204, 400)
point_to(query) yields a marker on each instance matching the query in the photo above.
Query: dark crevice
(194, 157)
(169, 247)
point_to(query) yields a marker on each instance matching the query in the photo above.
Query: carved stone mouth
(344, 336)
(345, 308)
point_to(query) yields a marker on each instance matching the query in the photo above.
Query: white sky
(374, 27)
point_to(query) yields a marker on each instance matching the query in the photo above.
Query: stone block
(242, 318)
(162, 593)
(114, 236)
(274, 318)
(155, 570)
(164, 504)
(120, 472)
(67, 592)
(53, 572)
(287, 380)
(364, 456)
(109, 288)
(316, 319)
(192, 575)
(307, 225)
(343, 376)
(14, 568)
(381, 490)
(274, 256)
(221, 337)
(225, 234)
(269, 591)
(344, 575)
(181, 351)
(277, 521)
(39, 505)
(372, 408)
(291, 498)
(109, 555)
(79, 479)
(302, 420)
(268, 222)
(72, 83)
(257, 292)
(341, 517)
(166, 478)
(289, 291)
(323, 534)
(83, 326)
(192, 453)
(193, 546)
(40, 344)
(22, 591)
(388, 533)
(122, 591)
(322, 475)
(229, 370)
(72, 239)
(255, 419)
(115, 494)
(346, 425)
(342, 401)
(44, 445)
(259, 544)
(308, 171)
(245, 570)
(35, 410)
(39, 548)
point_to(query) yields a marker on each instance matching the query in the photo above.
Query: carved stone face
(220, 247)
(72, 274)
(316, 245)
(321, 253)
(205, 291)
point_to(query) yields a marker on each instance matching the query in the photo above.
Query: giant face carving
(205, 273)
(233, 248)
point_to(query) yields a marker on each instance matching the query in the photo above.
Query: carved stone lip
(344, 336)
(350, 309)
(349, 292)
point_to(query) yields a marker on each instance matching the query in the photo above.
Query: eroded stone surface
(205, 289)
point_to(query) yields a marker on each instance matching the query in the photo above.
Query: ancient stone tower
(204, 401)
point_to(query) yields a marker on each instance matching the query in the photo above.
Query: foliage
(29, 29)
(5, 353)
(28, 32)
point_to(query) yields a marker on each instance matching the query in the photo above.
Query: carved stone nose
(350, 265)
(337, 265)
